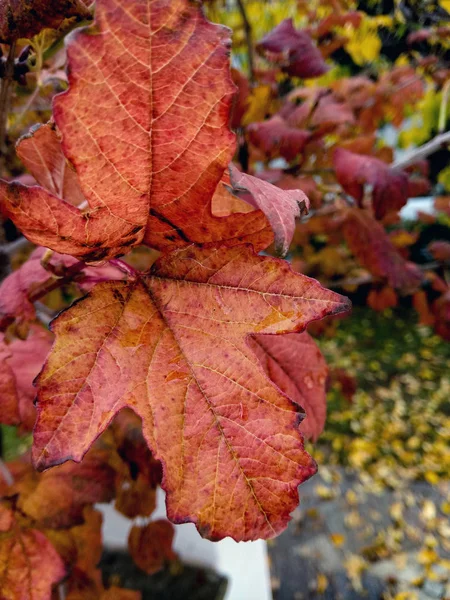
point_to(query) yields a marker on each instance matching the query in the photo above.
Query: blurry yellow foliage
(259, 104)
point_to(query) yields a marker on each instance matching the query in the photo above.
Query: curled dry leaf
(41, 152)
(20, 362)
(158, 156)
(371, 245)
(292, 50)
(26, 18)
(150, 546)
(295, 364)
(173, 347)
(281, 207)
(390, 186)
(28, 561)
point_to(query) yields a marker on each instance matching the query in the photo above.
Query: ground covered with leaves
(374, 523)
(396, 426)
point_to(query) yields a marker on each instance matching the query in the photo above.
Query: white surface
(244, 564)
(415, 205)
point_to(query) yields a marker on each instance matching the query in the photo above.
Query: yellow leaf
(258, 104)
(322, 583)
(338, 539)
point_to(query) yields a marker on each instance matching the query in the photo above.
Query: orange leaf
(41, 152)
(145, 125)
(295, 364)
(28, 561)
(151, 546)
(173, 346)
(61, 494)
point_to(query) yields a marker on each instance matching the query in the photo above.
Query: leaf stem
(5, 94)
(248, 40)
(55, 282)
(125, 268)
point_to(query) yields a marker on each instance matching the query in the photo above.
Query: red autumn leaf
(371, 245)
(418, 186)
(173, 347)
(284, 181)
(41, 152)
(20, 362)
(281, 207)
(354, 171)
(28, 561)
(276, 138)
(254, 228)
(294, 51)
(143, 102)
(295, 364)
(440, 250)
(25, 18)
(329, 113)
(150, 546)
(16, 291)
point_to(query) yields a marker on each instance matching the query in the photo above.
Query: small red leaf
(390, 186)
(294, 51)
(371, 245)
(281, 207)
(17, 288)
(440, 250)
(20, 362)
(276, 138)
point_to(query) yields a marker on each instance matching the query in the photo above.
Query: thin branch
(443, 107)
(423, 151)
(55, 282)
(248, 40)
(5, 94)
(6, 473)
(11, 248)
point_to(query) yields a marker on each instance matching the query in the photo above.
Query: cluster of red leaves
(323, 141)
(50, 530)
(188, 345)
